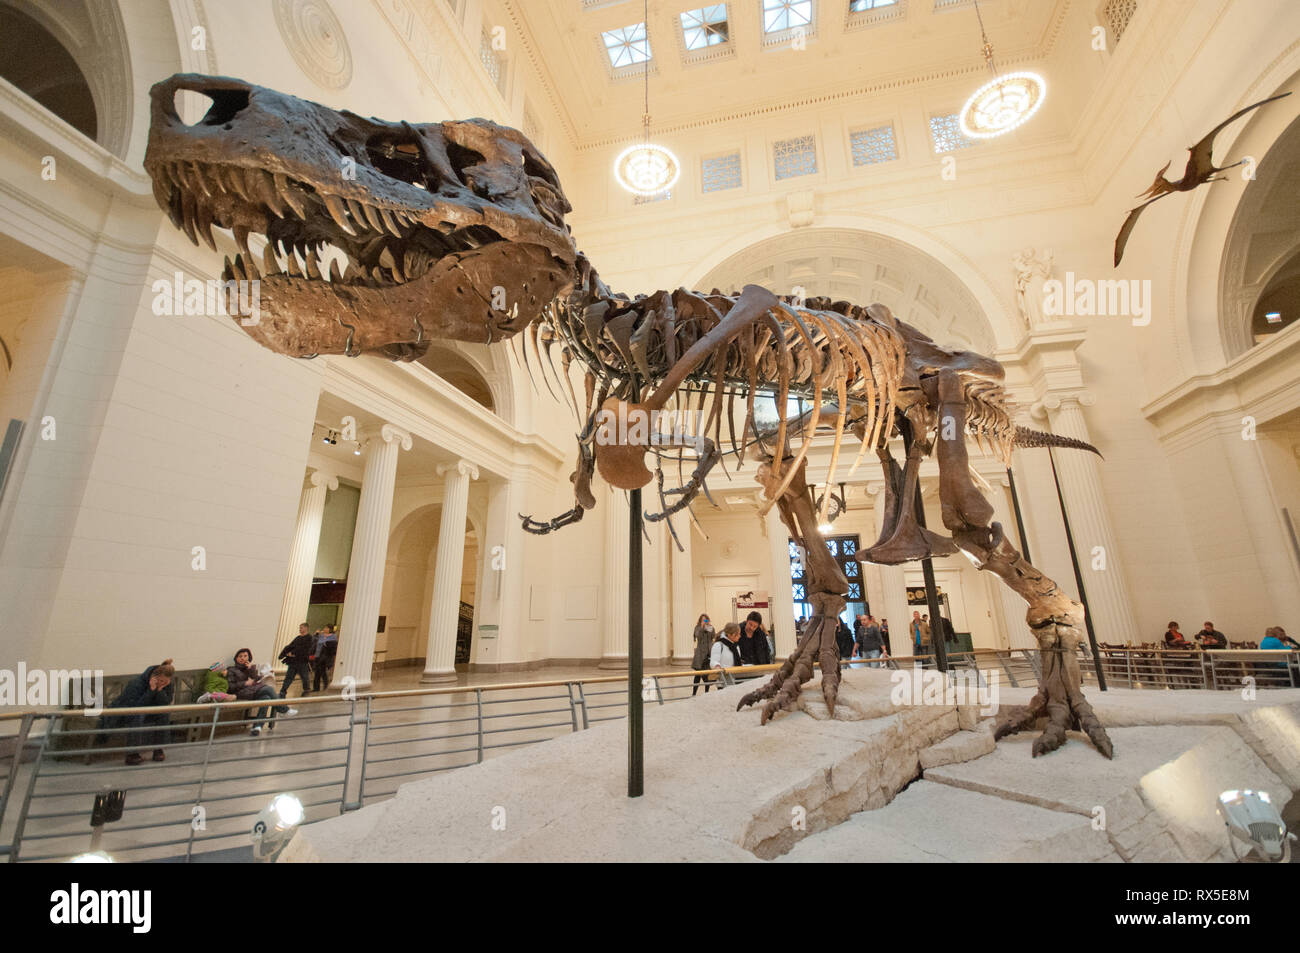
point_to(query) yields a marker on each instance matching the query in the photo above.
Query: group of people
(734, 646)
(309, 655)
(1211, 638)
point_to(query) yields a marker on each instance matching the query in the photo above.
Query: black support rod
(938, 640)
(635, 712)
(1020, 520)
(1078, 576)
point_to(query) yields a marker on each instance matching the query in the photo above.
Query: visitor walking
(327, 644)
(297, 656)
(920, 634)
(753, 641)
(869, 645)
(704, 636)
(726, 649)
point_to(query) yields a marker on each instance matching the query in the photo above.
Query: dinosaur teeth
(292, 263)
(196, 172)
(188, 213)
(359, 214)
(238, 268)
(389, 223)
(203, 225)
(313, 269)
(269, 264)
(291, 196)
(241, 239)
(338, 211)
(335, 273)
(373, 218)
(227, 270)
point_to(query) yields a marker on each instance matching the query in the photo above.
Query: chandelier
(1005, 102)
(646, 168)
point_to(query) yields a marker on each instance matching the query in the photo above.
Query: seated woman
(246, 684)
(1174, 639)
(152, 687)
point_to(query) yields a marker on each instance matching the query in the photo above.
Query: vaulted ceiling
(841, 54)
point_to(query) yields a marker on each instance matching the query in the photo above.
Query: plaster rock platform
(877, 782)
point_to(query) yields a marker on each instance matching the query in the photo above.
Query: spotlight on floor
(1250, 816)
(92, 857)
(275, 826)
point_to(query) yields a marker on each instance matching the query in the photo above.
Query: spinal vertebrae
(456, 230)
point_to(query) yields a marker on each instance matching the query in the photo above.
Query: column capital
(463, 467)
(875, 488)
(325, 478)
(1059, 399)
(388, 433)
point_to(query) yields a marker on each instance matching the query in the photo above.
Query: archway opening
(38, 64)
(457, 371)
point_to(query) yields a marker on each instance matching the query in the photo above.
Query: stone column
(781, 598)
(613, 652)
(302, 558)
(444, 612)
(893, 586)
(685, 611)
(1079, 473)
(356, 652)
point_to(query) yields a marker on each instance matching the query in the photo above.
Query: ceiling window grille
(945, 131)
(795, 157)
(721, 173)
(705, 27)
(862, 6)
(1118, 13)
(781, 15)
(627, 46)
(870, 146)
(492, 61)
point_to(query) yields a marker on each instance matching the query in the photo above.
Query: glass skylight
(781, 15)
(862, 6)
(627, 46)
(705, 27)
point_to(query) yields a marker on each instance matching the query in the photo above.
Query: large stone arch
(865, 266)
(1210, 278)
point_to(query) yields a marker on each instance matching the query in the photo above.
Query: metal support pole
(937, 633)
(1078, 576)
(635, 653)
(1020, 520)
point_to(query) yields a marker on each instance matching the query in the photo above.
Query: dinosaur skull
(380, 236)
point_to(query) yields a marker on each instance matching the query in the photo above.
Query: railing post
(582, 704)
(27, 797)
(478, 702)
(1003, 661)
(659, 692)
(20, 742)
(353, 721)
(1128, 665)
(203, 777)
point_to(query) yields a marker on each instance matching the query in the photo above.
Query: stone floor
(805, 788)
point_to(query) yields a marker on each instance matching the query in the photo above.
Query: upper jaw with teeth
(373, 244)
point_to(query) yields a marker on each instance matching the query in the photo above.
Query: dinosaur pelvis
(622, 438)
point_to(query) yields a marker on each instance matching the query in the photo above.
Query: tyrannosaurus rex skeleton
(381, 237)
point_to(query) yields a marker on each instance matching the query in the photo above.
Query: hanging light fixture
(646, 168)
(1003, 103)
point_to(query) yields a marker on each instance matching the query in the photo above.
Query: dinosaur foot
(1060, 699)
(781, 692)
(909, 544)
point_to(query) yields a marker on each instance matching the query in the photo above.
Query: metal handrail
(443, 734)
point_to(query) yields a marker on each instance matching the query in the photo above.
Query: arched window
(1279, 303)
(457, 371)
(35, 62)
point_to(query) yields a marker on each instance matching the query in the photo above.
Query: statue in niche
(1031, 271)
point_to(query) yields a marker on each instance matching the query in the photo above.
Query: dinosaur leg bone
(825, 586)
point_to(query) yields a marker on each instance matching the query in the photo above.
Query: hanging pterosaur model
(1200, 169)
(456, 230)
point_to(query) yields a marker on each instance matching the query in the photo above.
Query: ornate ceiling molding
(315, 38)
